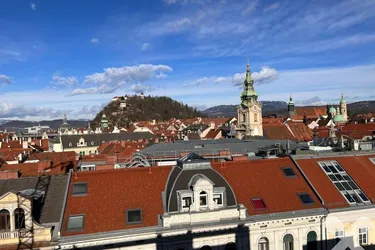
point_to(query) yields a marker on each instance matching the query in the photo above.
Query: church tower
(249, 112)
(343, 110)
(291, 107)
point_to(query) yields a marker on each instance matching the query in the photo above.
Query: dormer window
(203, 199)
(186, 202)
(218, 198)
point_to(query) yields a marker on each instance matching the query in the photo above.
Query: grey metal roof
(212, 146)
(71, 141)
(179, 180)
(54, 193)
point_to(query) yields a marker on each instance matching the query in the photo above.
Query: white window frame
(218, 195)
(361, 234)
(372, 160)
(183, 202)
(203, 195)
(339, 234)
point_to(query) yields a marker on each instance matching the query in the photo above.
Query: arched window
(263, 244)
(288, 242)
(312, 243)
(230, 246)
(203, 199)
(243, 117)
(206, 247)
(19, 218)
(4, 220)
(255, 117)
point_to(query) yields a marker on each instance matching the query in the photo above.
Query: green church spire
(248, 94)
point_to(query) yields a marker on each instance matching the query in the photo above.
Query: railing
(11, 234)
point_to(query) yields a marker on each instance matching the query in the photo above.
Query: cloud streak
(64, 81)
(5, 79)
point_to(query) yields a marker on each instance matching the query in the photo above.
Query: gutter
(64, 203)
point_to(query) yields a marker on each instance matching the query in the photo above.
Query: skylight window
(79, 189)
(258, 203)
(288, 172)
(343, 182)
(306, 199)
(75, 222)
(133, 216)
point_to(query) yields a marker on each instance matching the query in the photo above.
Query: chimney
(7, 175)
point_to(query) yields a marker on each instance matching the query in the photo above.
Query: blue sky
(74, 56)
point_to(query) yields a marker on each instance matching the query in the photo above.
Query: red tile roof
(111, 192)
(11, 144)
(360, 126)
(274, 131)
(360, 168)
(265, 179)
(301, 131)
(311, 112)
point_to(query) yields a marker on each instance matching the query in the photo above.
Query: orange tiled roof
(360, 168)
(274, 131)
(360, 126)
(102, 214)
(265, 179)
(311, 111)
(301, 131)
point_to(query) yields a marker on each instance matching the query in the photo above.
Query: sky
(72, 56)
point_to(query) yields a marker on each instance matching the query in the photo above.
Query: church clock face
(255, 108)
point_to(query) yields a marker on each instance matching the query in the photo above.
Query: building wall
(350, 222)
(39, 233)
(78, 150)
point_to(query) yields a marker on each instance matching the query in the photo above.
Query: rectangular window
(343, 182)
(243, 117)
(186, 202)
(363, 236)
(75, 222)
(133, 216)
(306, 199)
(79, 189)
(255, 117)
(258, 203)
(288, 172)
(339, 234)
(218, 198)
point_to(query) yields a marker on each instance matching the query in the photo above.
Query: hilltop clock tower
(249, 112)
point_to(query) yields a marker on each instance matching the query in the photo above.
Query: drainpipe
(326, 212)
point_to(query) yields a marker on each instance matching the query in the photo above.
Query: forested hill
(158, 108)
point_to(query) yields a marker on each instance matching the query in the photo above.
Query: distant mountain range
(281, 108)
(54, 124)
(269, 108)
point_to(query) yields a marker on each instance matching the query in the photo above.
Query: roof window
(79, 189)
(258, 203)
(288, 172)
(344, 183)
(133, 216)
(306, 199)
(75, 222)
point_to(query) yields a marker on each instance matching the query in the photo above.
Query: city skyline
(74, 57)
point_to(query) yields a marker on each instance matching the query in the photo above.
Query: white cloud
(266, 74)
(250, 7)
(115, 78)
(17, 111)
(94, 40)
(5, 79)
(272, 6)
(33, 6)
(67, 81)
(207, 80)
(161, 75)
(178, 25)
(145, 46)
(140, 87)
